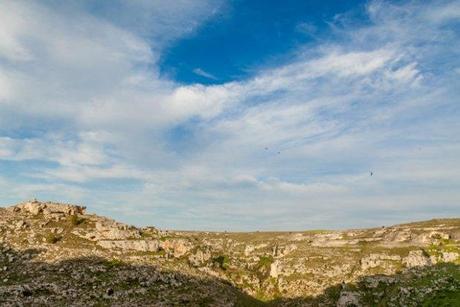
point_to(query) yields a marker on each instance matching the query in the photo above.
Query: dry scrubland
(57, 254)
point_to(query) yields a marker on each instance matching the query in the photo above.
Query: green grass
(443, 299)
(113, 263)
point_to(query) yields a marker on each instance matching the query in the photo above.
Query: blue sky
(248, 35)
(233, 115)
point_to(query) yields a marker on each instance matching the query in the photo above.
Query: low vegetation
(52, 238)
(75, 220)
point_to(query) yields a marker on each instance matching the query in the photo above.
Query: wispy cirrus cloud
(202, 73)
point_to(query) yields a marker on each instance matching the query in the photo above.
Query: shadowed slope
(103, 282)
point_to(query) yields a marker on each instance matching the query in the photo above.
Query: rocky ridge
(52, 253)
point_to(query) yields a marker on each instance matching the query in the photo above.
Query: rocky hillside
(57, 254)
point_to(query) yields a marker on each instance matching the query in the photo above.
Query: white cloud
(289, 147)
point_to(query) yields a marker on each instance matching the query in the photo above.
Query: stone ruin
(50, 209)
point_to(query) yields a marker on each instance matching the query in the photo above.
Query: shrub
(265, 261)
(75, 220)
(52, 238)
(223, 261)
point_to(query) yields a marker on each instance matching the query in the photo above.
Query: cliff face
(54, 253)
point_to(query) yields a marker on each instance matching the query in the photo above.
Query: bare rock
(248, 249)
(136, 245)
(348, 298)
(416, 258)
(449, 256)
(21, 224)
(110, 230)
(177, 247)
(274, 269)
(376, 260)
(200, 257)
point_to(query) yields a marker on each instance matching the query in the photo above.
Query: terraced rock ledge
(57, 254)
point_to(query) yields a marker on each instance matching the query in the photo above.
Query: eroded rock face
(106, 229)
(200, 257)
(376, 260)
(399, 235)
(274, 269)
(281, 251)
(416, 258)
(432, 237)
(330, 240)
(177, 247)
(135, 245)
(111, 230)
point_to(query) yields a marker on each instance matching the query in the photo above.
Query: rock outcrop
(134, 245)
(416, 258)
(378, 260)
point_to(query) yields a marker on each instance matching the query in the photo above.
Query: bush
(52, 238)
(265, 261)
(75, 220)
(223, 261)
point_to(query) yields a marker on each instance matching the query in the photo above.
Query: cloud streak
(202, 73)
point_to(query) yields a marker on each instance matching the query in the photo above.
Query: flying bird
(371, 173)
